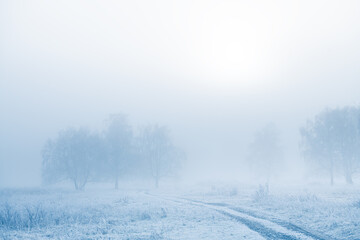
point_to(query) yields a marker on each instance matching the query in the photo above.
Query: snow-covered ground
(205, 212)
(325, 212)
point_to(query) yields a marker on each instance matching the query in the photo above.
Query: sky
(214, 72)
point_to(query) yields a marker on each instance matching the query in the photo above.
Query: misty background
(214, 72)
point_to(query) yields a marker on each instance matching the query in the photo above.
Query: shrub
(262, 193)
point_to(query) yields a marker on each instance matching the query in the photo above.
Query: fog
(213, 72)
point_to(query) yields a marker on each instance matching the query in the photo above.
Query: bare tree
(118, 137)
(332, 139)
(72, 155)
(265, 152)
(316, 144)
(157, 149)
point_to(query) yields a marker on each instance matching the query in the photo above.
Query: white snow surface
(214, 211)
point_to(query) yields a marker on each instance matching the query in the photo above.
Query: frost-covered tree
(118, 137)
(347, 143)
(71, 156)
(332, 141)
(159, 154)
(317, 140)
(265, 152)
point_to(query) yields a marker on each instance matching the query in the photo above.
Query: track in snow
(268, 228)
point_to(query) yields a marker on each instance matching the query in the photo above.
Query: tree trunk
(157, 182)
(332, 173)
(348, 178)
(116, 181)
(82, 186)
(78, 186)
(267, 188)
(331, 177)
(347, 168)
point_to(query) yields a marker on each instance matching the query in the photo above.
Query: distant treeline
(330, 144)
(80, 155)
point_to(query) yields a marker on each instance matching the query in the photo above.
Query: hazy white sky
(213, 71)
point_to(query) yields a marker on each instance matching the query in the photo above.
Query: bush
(262, 193)
(27, 217)
(10, 217)
(145, 216)
(309, 197)
(36, 216)
(233, 192)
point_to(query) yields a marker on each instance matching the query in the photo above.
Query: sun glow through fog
(234, 47)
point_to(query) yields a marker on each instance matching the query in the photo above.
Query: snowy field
(206, 212)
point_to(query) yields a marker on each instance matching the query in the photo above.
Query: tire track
(288, 225)
(272, 229)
